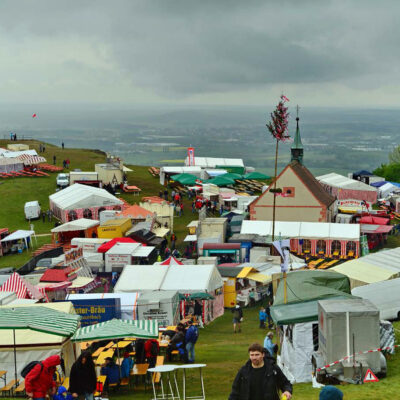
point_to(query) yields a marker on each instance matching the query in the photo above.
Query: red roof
(135, 211)
(58, 275)
(3, 230)
(107, 246)
(374, 220)
(23, 289)
(221, 246)
(171, 261)
(153, 199)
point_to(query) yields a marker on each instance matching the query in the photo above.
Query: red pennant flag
(34, 116)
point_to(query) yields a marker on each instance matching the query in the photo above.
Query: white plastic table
(187, 367)
(165, 371)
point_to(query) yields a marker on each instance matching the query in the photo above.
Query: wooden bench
(157, 375)
(20, 390)
(9, 387)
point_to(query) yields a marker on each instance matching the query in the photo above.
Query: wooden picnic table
(3, 375)
(122, 344)
(85, 345)
(140, 369)
(103, 355)
(97, 352)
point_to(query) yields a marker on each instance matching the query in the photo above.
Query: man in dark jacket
(260, 378)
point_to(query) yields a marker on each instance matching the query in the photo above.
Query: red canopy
(374, 220)
(107, 246)
(171, 261)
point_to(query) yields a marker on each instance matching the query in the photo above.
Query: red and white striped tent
(23, 289)
(28, 159)
(171, 261)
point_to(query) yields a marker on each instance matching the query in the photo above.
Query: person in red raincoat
(39, 380)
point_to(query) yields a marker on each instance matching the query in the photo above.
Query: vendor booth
(35, 332)
(347, 190)
(23, 288)
(162, 306)
(297, 317)
(82, 201)
(185, 279)
(312, 238)
(18, 240)
(114, 228)
(83, 227)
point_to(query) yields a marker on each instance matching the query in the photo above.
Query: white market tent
(82, 196)
(299, 230)
(342, 182)
(386, 189)
(15, 154)
(18, 235)
(80, 224)
(34, 345)
(182, 278)
(211, 162)
(372, 268)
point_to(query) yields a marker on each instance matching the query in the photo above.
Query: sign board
(117, 261)
(191, 156)
(370, 376)
(94, 311)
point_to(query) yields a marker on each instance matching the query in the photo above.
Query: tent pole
(15, 357)
(119, 361)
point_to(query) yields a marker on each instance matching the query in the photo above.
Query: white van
(32, 210)
(62, 180)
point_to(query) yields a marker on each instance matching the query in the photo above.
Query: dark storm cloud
(183, 48)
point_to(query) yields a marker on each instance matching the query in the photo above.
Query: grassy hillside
(15, 192)
(222, 351)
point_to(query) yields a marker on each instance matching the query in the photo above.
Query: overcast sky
(317, 52)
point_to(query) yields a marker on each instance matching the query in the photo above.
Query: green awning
(118, 329)
(294, 313)
(221, 251)
(196, 296)
(232, 175)
(220, 181)
(185, 179)
(40, 319)
(257, 176)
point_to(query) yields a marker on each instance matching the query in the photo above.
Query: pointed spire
(297, 148)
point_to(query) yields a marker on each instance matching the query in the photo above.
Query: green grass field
(222, 351)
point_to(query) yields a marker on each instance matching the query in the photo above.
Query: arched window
(87, 213)
(351, 248)
(321, 247)
(306, 246)
(336, 248)
(72, 215)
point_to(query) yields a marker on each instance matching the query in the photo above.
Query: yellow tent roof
(27, 337)
(245, 271)
(365, 272)
(254, 275)
(258, 277)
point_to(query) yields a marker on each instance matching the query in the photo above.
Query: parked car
(62, 180)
